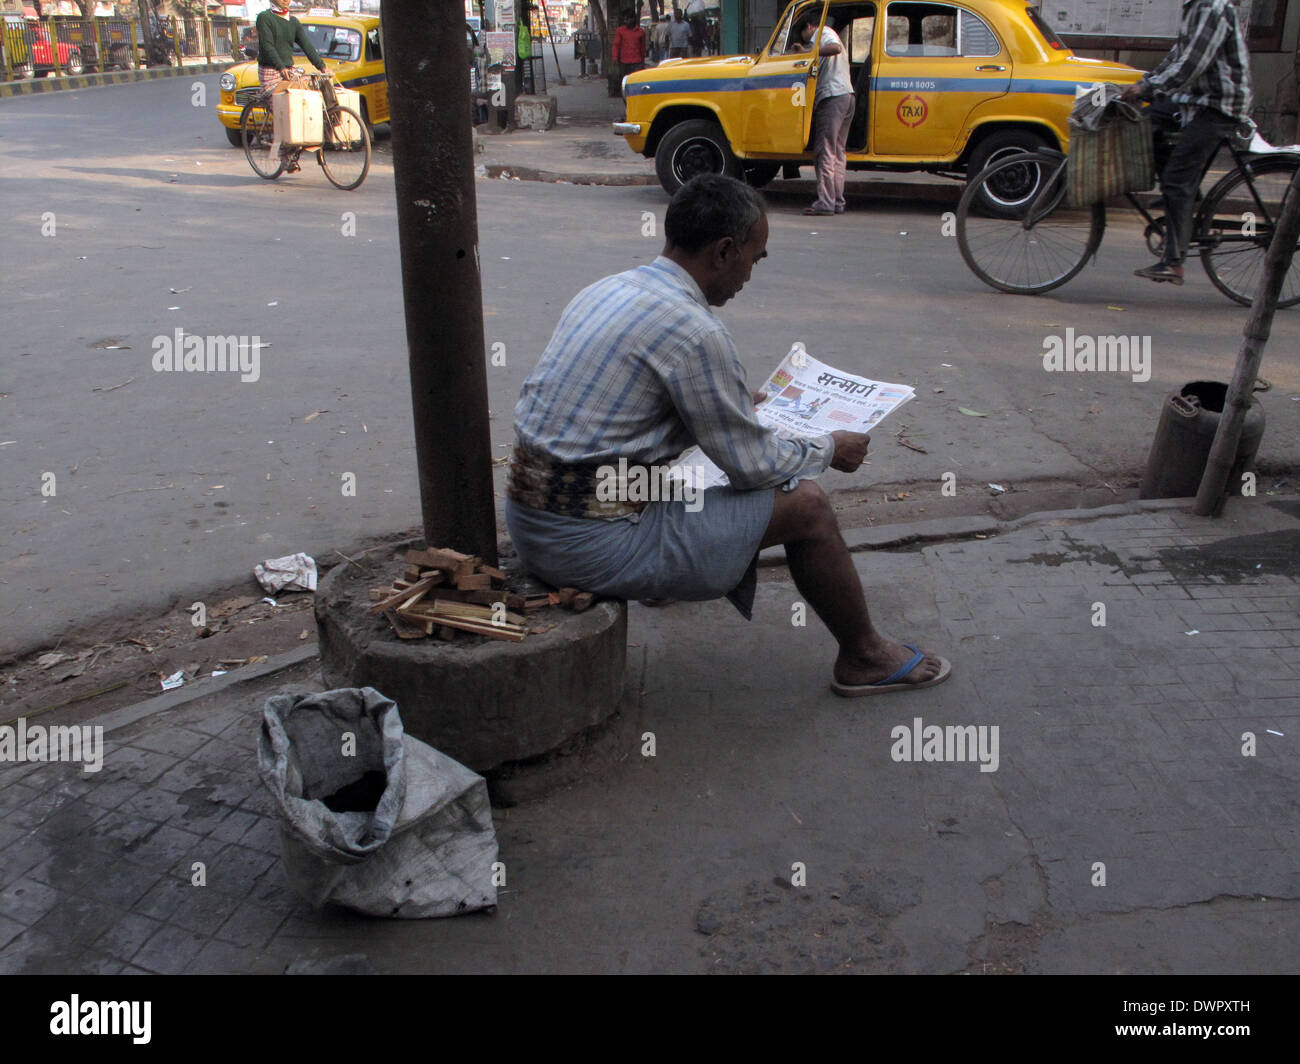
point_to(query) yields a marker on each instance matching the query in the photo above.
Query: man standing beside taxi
(833, 108)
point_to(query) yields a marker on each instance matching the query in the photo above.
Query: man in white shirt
(833, 108)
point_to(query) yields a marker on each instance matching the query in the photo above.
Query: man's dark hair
(708, 208)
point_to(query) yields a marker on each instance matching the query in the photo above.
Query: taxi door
(779, 91)
(937, 62)
(378, 87)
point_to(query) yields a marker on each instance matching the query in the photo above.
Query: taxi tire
(994, 148)
(758, 174)
(697, 146)
(235, 136)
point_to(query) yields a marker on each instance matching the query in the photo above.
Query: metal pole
(551, 34)
(1223, 452)
(437, 225)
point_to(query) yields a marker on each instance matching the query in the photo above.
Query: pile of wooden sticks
(444, 591)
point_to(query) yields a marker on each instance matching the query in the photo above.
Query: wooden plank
(496, 574)
(400, 595)
(473, 581)
(535, 602)
(583, 600)
(404, 629)
(508, 633)
(443, 558)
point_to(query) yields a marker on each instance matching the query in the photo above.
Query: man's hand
(850, 450)
(1132, 93)
(758, 397)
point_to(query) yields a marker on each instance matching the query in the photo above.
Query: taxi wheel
(758, 174)
(235, 136)
(693, 148)
(1016, 187)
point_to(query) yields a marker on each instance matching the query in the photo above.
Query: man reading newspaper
(638, 370)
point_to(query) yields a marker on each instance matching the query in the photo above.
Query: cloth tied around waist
(607, 490)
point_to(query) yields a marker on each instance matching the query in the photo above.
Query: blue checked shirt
(640, 368)
(1210, 64)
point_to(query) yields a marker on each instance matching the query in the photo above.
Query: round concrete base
(483, 702)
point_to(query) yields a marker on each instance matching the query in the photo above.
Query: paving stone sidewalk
(1120, 751)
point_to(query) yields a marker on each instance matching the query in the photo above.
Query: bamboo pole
(1223, 452)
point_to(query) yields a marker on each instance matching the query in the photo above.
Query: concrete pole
(437, 223)
(1223, 452)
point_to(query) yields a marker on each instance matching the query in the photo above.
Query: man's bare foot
(856, 670)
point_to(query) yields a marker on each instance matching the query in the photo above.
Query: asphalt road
(165, 485)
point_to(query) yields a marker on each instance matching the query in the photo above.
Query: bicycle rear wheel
(1235, 227)
(345, 153)
(1043, 244)
(258, 134)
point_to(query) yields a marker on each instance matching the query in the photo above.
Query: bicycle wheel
(1043, 244)
(258, 135)
(345, 153)
(1235, 227)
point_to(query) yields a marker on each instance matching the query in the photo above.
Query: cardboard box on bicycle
(350, 99)
(298, 114)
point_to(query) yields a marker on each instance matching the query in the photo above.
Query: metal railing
(69, 45)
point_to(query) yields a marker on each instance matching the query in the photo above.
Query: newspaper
(805, 398)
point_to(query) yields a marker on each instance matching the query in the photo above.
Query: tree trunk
(612, 77)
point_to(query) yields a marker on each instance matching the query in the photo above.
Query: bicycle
(344, 152)
(1042, 243)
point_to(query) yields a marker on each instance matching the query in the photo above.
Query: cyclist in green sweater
(277, 33)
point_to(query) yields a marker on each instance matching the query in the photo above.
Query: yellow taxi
(941, 87)
(353, 53)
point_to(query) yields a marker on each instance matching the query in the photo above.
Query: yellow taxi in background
(353, 53)
(940, 87)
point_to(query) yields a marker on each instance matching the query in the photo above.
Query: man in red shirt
(630, 45)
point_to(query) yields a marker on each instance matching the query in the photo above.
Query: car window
(974, 37)
(859, 34)
(924, 30)
(928, 30)
(373, 48)
(333, 42)
(785, 36)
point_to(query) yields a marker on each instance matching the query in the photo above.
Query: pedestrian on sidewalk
(629, 45)
(659, 39)
(1207, 73)
(679, 36)
(695, 17)
(638, 370)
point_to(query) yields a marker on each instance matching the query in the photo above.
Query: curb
(940, 529)
(32, 86)
(128, 715)
(494, 171)
(948, 192)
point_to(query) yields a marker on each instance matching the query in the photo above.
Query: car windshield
(333, 42)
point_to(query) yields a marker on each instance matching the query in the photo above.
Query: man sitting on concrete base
(638, 370)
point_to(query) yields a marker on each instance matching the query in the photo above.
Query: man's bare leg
(823, 572)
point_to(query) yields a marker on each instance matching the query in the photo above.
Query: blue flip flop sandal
(891, 683)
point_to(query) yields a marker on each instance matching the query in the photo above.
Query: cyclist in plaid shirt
(1207, 73)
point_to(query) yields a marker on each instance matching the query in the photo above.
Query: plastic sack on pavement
(371, 818)
(293, 572)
